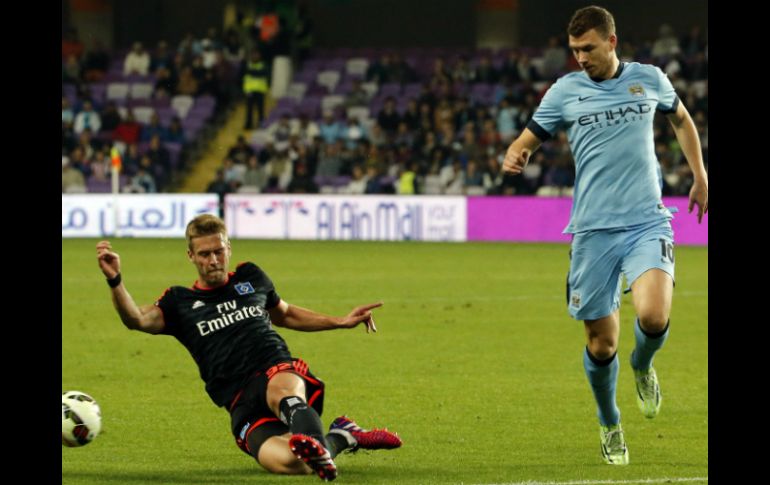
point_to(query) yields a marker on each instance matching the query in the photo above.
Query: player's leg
(652, 294)
(286, 398)
(345, 433)
(601, 365)
(649, 268)
(276, 457)
(593, 295)
(269, 444)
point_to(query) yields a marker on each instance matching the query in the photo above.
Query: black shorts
(252, 420)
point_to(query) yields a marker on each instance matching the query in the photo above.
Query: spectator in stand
(67, 115)
(357, 184)
(175, 132)
(330, 161)
(412, 115)
(485, 72)
(354, 133)
(232, 50)
(131, 159)
(143, 181)
(279, 168)
(87, 118)
(509, 71)
(165, 83)
(554, 59)
(80, 162)
(256, 82)
(399, 71)
(161, 58)
(666, 45)
(110, 117)
(153, 128)
(331, 130)
(280, 130)
(71, 70)
(255, 176)
(221, 188)
(234, 173)
(128, 130)
(388, 118)
(161, 159)
(527, 72)
(379, 71)
(306, 130)
(462, 73)
(71, 45)
(373, 185)
(473, 182)
(301, 181)
(72, 179)
(137, 61)
(357, 96)
(241, 151)
(187, 83)
(209, 56)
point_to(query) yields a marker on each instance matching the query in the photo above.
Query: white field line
(610, 482)
(483, 299)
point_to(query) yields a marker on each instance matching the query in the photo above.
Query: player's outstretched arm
(518, 153)
(687, 135)
(147, 318)
(298, 318)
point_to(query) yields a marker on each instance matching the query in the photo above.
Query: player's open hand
(109, 262)
(362, 314)
(699, 194)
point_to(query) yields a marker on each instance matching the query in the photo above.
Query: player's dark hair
(204, 225)
(592, 17)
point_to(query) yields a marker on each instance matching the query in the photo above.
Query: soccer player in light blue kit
(619, 224)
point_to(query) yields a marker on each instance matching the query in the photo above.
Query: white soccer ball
(81, 418)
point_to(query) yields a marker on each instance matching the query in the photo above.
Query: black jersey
(227, 329)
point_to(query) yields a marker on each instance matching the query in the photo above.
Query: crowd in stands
(150, 105)
(439, 121)
(354, 120)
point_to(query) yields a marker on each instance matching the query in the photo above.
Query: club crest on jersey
(244, 288)
(575, 300)
(636, 90)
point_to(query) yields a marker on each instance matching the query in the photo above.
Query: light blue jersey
(609, 127)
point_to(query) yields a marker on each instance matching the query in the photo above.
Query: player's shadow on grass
(181, 477)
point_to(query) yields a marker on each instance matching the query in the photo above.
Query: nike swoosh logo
(581, 98)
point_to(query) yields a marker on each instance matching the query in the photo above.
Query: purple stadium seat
(96, 186)
(159, 103)
(310, 105)
(206, 100)
(98, 91)
(390, 89)
(174, 151)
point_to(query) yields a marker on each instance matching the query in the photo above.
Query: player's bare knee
(653, 321)
(602, 348)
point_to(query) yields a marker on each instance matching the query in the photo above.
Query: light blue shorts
(599, 260)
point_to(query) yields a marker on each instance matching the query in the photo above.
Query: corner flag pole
(117, 164)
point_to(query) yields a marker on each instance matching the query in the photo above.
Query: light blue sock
(603, 376)
(646, 346)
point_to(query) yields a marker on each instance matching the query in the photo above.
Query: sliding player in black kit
(225, 322)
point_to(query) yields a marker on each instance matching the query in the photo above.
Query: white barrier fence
(384, 218)
(132, 215)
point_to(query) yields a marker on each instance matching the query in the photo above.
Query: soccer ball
(81, 418)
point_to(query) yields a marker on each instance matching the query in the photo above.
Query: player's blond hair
(592, 17)
(204, 225)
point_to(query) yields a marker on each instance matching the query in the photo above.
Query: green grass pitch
(477, 365)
